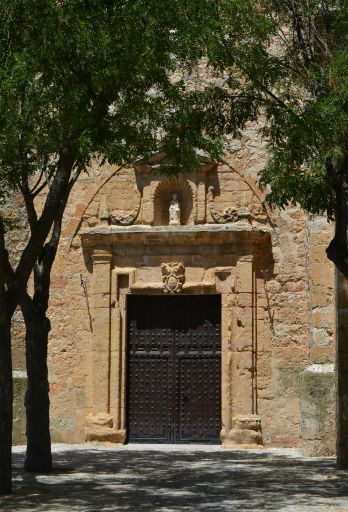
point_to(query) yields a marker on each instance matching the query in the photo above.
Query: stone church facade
(184, 309)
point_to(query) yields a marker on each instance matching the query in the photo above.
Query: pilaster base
(245, 432)
(99, 428)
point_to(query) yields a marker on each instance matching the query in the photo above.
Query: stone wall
(317, 396)
(281, 325)
(294, 324)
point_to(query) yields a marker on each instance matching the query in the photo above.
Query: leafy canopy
(285, 63)
(119, 80)
(97, 77)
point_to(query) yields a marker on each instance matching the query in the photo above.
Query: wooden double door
(174, 369)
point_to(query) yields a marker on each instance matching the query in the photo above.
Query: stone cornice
(155, 160)
(175, 235)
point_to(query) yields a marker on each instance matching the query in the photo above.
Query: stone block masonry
(269, 267)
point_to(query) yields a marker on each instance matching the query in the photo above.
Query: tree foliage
(83, 80)
(286, 63)
(96, 77)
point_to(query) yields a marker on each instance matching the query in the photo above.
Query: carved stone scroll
(173, 277)
(230, 214)
(122, 218)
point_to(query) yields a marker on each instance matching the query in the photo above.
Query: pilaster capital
(101, 256)
(246, 258)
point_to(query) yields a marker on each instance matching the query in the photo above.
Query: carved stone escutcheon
(173, 277)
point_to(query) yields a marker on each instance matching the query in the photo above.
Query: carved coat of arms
(173, 277)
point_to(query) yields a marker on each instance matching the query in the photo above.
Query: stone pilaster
(224, 283)
(122, 280)
(201, 200)
(99, 424)
(244, 426)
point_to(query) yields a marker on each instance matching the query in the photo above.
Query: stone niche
(158, 190)
(179, 189)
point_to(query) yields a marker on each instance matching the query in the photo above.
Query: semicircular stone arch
(163, 195)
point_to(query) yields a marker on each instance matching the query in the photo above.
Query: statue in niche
(174, 211)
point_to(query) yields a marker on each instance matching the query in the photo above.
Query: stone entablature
(172, 235)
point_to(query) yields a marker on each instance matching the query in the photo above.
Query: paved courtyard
(174, 478)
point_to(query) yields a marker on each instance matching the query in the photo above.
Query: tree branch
(44, 263)
(298, 26)
(337, 250)
(57, 226)
(32, 191)
(7, 273)
(29, 204)
(57, 191)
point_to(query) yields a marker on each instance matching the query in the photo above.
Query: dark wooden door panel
(199, 400)
(174, 375)
(150, 400)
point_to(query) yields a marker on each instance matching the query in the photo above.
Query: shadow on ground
(118, 479)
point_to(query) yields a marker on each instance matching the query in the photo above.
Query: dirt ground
(178, 478)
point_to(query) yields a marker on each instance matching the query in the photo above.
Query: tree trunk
(38, 457)
(337, 252)
(6, 398)
(342, 371)
(6, 383)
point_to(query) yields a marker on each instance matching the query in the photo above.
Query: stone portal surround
(236, 283)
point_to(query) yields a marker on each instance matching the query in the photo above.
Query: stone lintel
(157, 288)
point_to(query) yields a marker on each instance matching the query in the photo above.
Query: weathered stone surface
(317, 399)
(105, 434)
(242, 437)
(245, 431)
(99, 420)
(276, 286)
(19, 421)
(247, 421)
